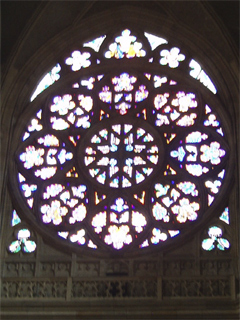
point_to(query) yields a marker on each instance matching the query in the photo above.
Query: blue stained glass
(161, 190)
(119, 205)
(140, 132)
(125, 182)
(29, 246)
(208, 244)
(28, 189)
(15, 246)
(196, 137)
(188, 188)
(113, 148)
(148, 138)
(223, 244)
(102, 177)
(180, 154)
(225, 216)
(129, 148)
(95, 139)
(114, 183)
(15, 218)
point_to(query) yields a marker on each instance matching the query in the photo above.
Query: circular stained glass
(121, 155)
(128, 155)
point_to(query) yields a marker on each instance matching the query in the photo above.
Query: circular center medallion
(121, 155)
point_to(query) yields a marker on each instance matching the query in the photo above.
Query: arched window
(125, 149)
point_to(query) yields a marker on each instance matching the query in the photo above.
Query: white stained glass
(64, 156)
(79, 191)
(30, 202)
(192, 150)
(65, 196)
(144, 244)
(28, 189)
(49, 141)
(161, 190)
(211, 121)
(154, 41)
(62, 104)
(125, 45)
(141, 94)
(158, 236)
(72, 203)
(51, 160)
(85, 102)
(59, 124)
(15, 246)
(118, 236)
(158, 81)
(208, 244)
(215, 240)
(29, 246)
(160, 100)
(187, 120)
(138, 221)
(212, 153)
(199, 74)
(33, 126)
(52, 190)
(123, 107)
(23, 234)
(46, 173)
(180, 154)
(32, 157)
(79, 237)
(173, 233)
(171, 57)
(188, 188)
(136, 152)
(78, 214)
(63, 234)
(91, 245)
(184, 101)
(161, 120)
(160, 213)
(47, 81)
(89, 83)
(53, 212)
(186, 210)
(124, 82)
(95, 44)
(196, 169)
(99, 221)
(213, 185)
(210, 199)
(196, 137)
(78, 60)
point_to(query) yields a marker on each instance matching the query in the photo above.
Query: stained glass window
(23, 238)
(127, 155)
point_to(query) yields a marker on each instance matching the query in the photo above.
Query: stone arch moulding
(134, 70)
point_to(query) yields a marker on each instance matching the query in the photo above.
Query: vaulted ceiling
(15, 16)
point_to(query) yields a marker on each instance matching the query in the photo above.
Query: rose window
(124, 151)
